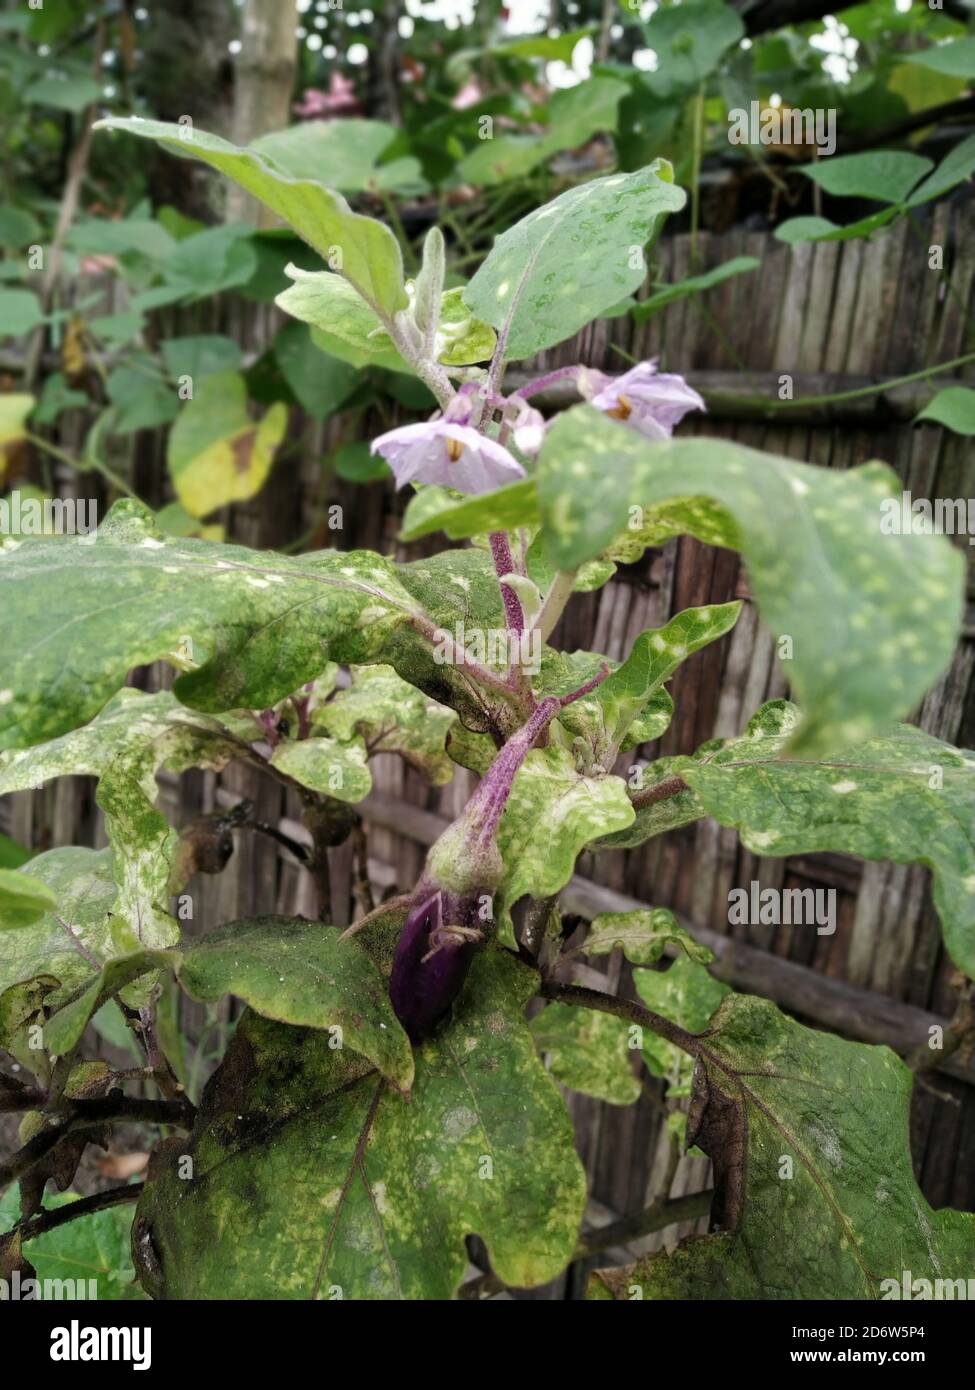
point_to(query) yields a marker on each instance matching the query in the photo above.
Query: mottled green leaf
(902, 796)
(392, 717)
(653, 659)
(123, 747)
(567, 262)
(246, 627)
(642, 935)
(361, 1195)
(551, 815)
(327, 765)
(71, 1013)
(371, 259)
(300, 972)
(588, 1052)
(461, 338)
(872, 617)
(510, 507)
(815, 1190)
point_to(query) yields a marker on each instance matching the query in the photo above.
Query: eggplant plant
(385, 1096)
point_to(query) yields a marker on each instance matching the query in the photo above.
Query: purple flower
(442, 451)
(647, 401)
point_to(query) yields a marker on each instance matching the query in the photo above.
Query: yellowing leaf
(217, 453)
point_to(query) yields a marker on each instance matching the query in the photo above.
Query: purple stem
(504, 564)
(549, 379)
(491, 794)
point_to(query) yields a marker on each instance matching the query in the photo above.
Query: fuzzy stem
(560, 591)
(662, 791)
(504, 564)
(541, 383)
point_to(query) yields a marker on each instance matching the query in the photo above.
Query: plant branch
(660, 791)
(559, 593)
(48, 1220)
(628, 1009)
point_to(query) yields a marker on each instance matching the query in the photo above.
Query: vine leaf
(379, 1194)
(815, 1194)
(568, 262)
(246, 627)
(588, 1052)
(369, 253)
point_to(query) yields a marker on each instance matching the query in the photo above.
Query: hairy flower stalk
(450, 913)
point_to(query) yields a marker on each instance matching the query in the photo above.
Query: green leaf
(689, 41)
(588, 1052)
(56, 396)
(320, 383)
(356, 464)
(216, 452)
(22, 900)
(850, 1217)
(461, 338)
(653, 659)
(379, 1194)
(688, 995)
(371, 259)
(20, 312)
(643, 936)
(695, 284)
(551, 815)
(873, 617)
(18, 228)
(211, 261)
(58, 948)
(142, 401)
(902, 796)
(575, 115)
(14, 410)
(13, 855)
(956, 58)
(200, 355)
(72, 1013)
(953, 407)
(569, 261)
(92, 1247)
(71, 94)
(798, 229)
(133, 736)
(957, 165)
(884, 175)
(301, 973)
(247, 627)
(343, 154)
(332, 305)
(392, 717)
(326, 765)
(505, 510)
